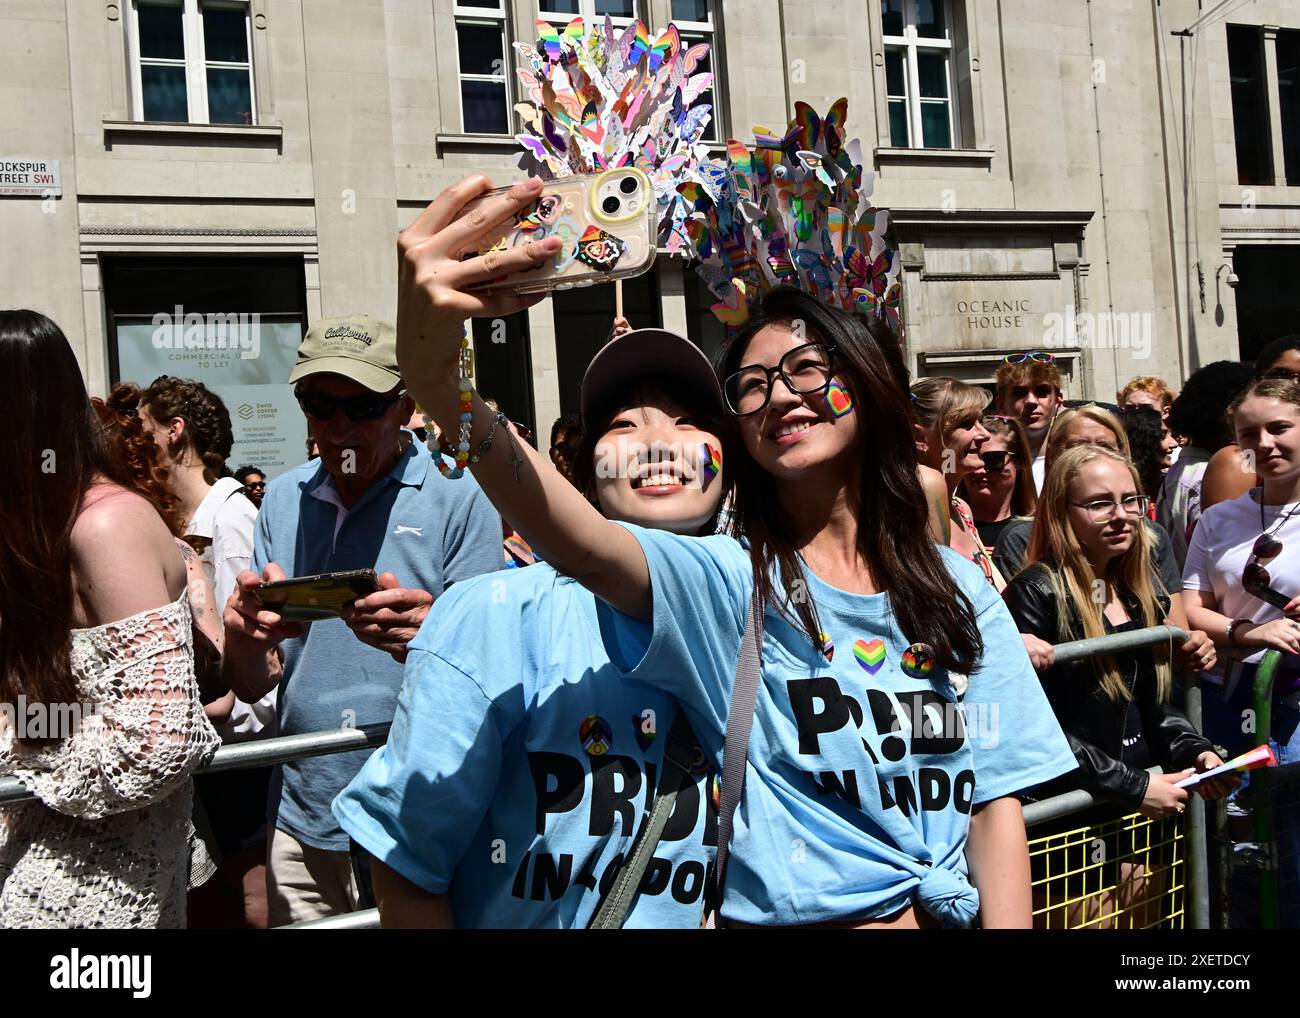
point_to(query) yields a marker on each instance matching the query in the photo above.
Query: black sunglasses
(805, 369)
(357, 408)
(995, 461)
(1255, 579)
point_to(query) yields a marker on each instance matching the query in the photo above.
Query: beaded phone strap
(465, 385)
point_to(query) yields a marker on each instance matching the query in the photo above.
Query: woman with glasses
(1003, 488)
(843, 820)
(950, 438)
(1091, 574)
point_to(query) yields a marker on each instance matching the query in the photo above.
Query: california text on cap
(358, 347)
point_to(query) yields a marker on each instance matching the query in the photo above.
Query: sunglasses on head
(1255, 579)
(994, 462)
(1031, 355)
(357, 408)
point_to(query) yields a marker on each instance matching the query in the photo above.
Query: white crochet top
(105, 845)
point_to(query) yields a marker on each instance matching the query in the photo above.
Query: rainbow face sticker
(918, 661)
(599, 249)
(595, 735)
(870, 654)
(828, 645)
(838, 399)
(710, 462)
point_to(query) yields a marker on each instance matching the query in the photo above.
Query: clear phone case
(607, 223)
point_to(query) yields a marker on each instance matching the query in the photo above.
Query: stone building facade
(1079, 176)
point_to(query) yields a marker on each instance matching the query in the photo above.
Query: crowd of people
(767, 642)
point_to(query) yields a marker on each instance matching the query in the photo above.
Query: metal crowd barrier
(1188, 869)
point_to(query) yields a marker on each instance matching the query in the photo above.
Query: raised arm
(433, 306)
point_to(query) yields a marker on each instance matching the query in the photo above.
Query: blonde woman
(950, 437)
(1091, 573)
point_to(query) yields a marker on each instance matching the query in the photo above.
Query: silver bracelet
(486, 444)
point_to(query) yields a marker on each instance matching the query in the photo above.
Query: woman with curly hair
(191, 427)
(1151, 447)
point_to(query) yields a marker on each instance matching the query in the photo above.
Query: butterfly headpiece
(792, 210)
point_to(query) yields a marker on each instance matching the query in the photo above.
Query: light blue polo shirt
(425, 529)
(521, 766)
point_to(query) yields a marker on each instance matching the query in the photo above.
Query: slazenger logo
(76, 971)
(417, 531)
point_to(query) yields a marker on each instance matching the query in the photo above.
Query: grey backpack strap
(740, 721)
(679, 756)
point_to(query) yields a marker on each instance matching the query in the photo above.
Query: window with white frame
(918, 39)
(696, 22)
(484, 65)
(621, 12)
(192, 61)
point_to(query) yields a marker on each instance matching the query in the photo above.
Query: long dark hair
(49, 458)
(893, 535)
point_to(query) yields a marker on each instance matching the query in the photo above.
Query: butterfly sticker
(733, 310)
(813, 265)
(640, 42)
(665, 48)
(813, 129)
(599, 249)
(553, 39)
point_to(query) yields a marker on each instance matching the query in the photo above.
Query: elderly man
(374, 499)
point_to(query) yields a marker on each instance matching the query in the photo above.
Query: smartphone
(311, 598)
(606, 221)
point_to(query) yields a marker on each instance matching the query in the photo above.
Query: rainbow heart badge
(918, 661)
(870, 654)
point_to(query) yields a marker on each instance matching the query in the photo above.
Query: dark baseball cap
(643, 353)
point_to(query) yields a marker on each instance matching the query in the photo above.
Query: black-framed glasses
(357, 408)
(255, 485)
(805, 369)
(1103, 510)
(1029, 355)
(996, 461)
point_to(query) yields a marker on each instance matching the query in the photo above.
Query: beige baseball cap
(358, 347)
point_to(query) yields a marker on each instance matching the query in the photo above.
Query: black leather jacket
(1092, 721)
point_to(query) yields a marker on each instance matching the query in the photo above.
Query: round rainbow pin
(918, 661)
(596, 735)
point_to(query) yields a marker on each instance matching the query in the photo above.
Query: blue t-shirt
(425, 529)
(521, 765)
(862, 769)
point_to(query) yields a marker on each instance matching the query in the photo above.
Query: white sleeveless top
(105, 845)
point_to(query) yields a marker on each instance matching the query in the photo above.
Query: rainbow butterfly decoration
(795, 205)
